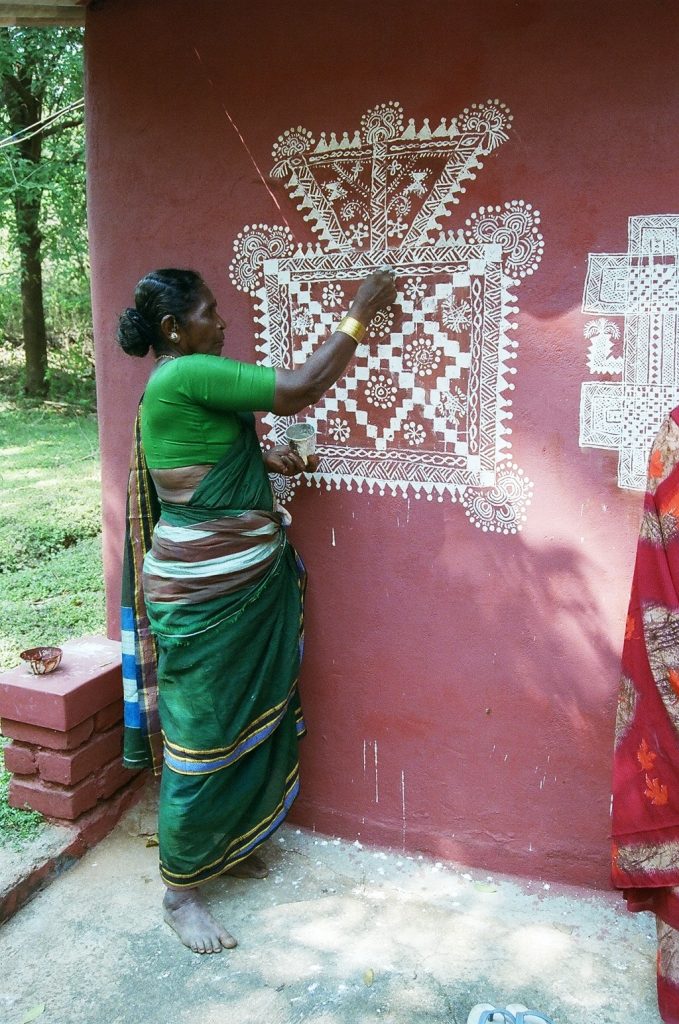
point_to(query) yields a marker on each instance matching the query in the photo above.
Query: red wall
(459, 686)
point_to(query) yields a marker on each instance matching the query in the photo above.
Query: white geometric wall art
(425, 410)
(635, 336)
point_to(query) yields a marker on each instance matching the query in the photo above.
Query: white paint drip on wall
(373, 744)
(333, 536)
(403, 808)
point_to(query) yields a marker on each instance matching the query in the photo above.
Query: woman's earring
(174, 336)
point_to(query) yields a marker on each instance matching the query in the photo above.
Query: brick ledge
(88, 679)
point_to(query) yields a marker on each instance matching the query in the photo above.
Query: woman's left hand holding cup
(288, 463)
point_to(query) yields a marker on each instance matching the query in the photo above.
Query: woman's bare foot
(252, 867)
(194, 924)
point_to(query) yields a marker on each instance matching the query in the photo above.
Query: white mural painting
(424, 410)
(635, 336)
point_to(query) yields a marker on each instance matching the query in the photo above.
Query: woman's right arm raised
(295, 389)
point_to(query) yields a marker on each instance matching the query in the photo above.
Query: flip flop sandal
(523, 1015)
(484, 1013)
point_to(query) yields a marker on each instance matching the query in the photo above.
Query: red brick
(71, 767)
(85, 833)
(54, 739)
(69, 802)
(37, 878)
(53, 801)
(109, 716)
(88, 680)
(20, 760)
(113, 777)
(97, 823)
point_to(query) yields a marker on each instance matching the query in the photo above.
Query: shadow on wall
(491, 740)
(543, 740)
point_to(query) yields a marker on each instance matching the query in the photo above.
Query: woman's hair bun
(135, 334)
(162, 293)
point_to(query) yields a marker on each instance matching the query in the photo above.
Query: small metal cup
(42, 660)
(302, 439)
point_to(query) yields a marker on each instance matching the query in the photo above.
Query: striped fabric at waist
(191, 564)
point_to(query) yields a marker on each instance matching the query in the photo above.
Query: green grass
(49, 477)
(51, 579)
(17, 827)
(62, 598)
(70, 375)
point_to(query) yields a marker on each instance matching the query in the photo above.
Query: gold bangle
(354, 328)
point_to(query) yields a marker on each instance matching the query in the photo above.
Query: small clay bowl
(42, 659)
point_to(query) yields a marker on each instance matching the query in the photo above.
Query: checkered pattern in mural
(424, 409)
(635, 338)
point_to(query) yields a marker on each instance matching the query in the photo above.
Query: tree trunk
(25, 110)
(33, 313)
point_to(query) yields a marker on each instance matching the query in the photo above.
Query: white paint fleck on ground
(433, 938)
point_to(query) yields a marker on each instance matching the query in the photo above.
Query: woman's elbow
(290, 400)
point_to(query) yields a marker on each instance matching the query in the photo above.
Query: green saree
(224, 597)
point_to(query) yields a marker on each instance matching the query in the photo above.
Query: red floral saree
(646, 763)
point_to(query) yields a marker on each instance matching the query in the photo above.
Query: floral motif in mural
(424, 408)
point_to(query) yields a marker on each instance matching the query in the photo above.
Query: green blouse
(188, 413)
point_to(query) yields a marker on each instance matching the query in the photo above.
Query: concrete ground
(338, 934)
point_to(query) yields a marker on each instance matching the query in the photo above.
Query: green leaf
(33, 1013)
(485, 887)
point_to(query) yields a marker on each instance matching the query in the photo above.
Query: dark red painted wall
(459, 686)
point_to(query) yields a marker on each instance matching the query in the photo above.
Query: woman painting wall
(222, 588)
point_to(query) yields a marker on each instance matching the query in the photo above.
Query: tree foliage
(42, 189)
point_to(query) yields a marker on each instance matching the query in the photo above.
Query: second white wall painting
(425, 409)
(635, 338)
